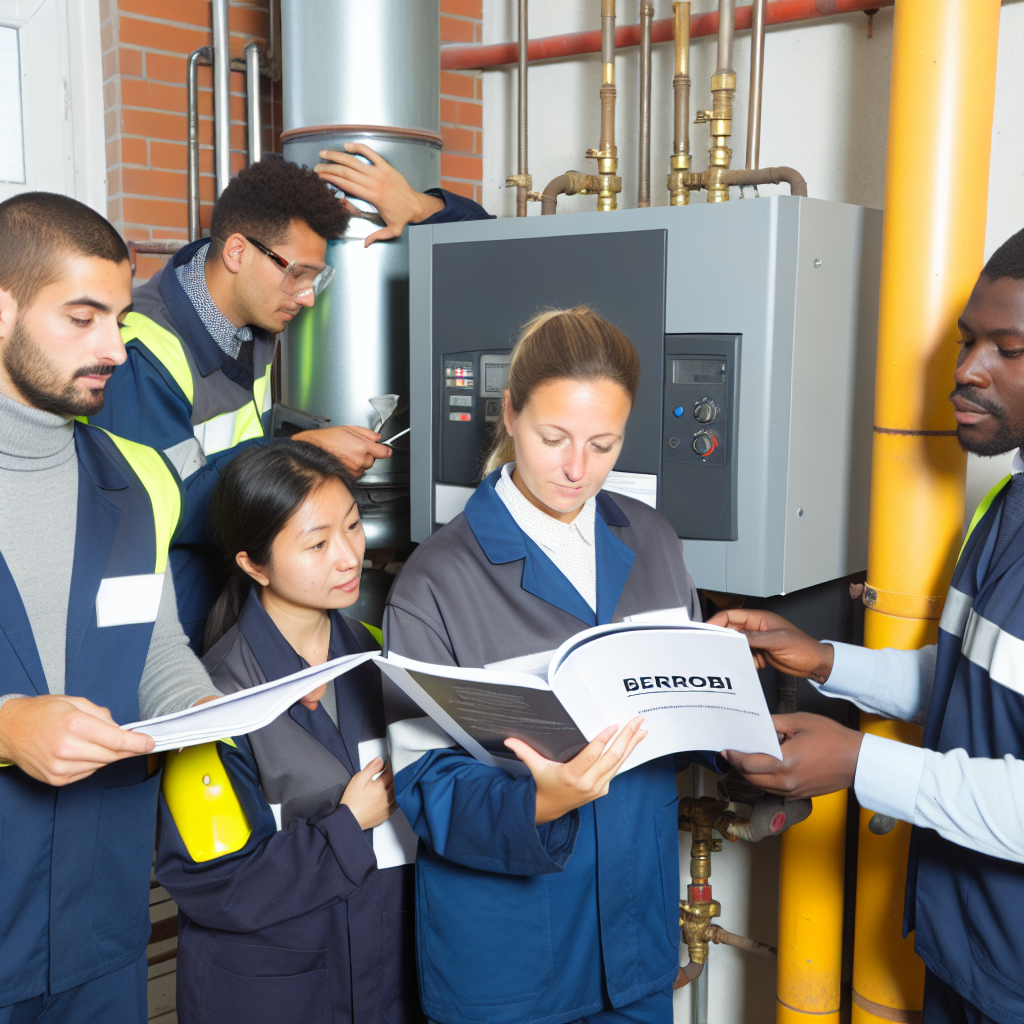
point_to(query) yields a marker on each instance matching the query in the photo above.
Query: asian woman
(551, 897)
(264, 841)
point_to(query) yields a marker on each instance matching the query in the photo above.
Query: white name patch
(127, 600)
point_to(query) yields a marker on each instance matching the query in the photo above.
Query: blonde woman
(551, 897)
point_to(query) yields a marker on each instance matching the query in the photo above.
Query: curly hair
(267, 196)
(1007, 260)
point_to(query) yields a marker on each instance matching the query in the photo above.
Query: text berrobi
(672, 682)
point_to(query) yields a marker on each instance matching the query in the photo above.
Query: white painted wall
(825, 112)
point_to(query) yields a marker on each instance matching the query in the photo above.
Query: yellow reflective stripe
(161, 484)
(219, 433)
(203, 803)
(164, 345)
(374, 632)
(6, 764)
(979, 512)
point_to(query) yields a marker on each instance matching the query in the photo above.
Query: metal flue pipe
(221, 94)
(679, 194)
(252, 101)
(204, 56)
(756, 80)
(644, 170)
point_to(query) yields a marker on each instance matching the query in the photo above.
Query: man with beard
(89, 634)
(964, 789)
(203, 333)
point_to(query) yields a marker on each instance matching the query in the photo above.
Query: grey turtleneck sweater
(38, 517)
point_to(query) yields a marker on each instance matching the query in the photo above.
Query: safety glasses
(299, 279)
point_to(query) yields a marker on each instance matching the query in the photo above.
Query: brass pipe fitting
(719, 118)
(699, 816)
(571, 183)
(607, 155)
(679, 164)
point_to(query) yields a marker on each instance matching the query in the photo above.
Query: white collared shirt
(569, 545)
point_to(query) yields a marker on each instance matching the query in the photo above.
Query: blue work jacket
(75, 860)
(968, 907)
(163, 399)
(518, 922)
(299, 924)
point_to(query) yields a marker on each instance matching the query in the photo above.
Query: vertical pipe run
(644, 170)
(942, 96)
(811, 882)
(203, 56)
(756, 80)
(679, 166)
(699, 996)
(252, 102)
(523, 165)
(607, 155)
(221, 94)
(723, 88)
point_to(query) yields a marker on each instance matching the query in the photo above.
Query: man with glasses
(202, 336)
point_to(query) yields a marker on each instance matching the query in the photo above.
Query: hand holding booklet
(243, 712)
(695, 685)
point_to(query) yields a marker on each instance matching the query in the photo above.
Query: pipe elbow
(691, 972)
(793, 178)
(552, 190)
(769, 176)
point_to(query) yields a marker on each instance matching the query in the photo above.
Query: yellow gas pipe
(942, 96)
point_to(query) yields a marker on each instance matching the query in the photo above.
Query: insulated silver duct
(358, 72)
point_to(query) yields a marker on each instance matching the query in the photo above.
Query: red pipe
(466, 57)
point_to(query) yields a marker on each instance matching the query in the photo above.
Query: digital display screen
(698, 370)
(494, 374)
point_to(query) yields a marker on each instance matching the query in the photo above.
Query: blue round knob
(677, 411)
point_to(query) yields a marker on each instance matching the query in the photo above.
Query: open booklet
(696, 686)
(237, 714)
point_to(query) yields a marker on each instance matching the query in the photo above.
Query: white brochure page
(394, 842)
(243, 712)
(696, 688)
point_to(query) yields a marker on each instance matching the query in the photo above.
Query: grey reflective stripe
(186, 457)
(999, 653)
(955, 612)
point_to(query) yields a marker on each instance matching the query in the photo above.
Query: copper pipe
(525, 181)
(475, 56)
(718, 935)
(719, 118)
(607, 155)
(679, 165)
(644, 170)
(767, 176)
(756, 80)
(569, 184)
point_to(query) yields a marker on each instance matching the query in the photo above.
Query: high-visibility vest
(223, 430)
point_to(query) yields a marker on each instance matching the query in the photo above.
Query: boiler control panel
(470, 406)
(698, 477)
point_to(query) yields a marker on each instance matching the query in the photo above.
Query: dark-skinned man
(202, 333)
(964, 789)
(89, 631)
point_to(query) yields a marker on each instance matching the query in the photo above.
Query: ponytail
(573, 344)
(256, 495)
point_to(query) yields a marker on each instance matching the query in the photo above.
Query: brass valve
(699, 816)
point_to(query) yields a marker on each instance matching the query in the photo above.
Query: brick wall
(462, 106)
(144, 59)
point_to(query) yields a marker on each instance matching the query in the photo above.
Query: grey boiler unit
(755, 322)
